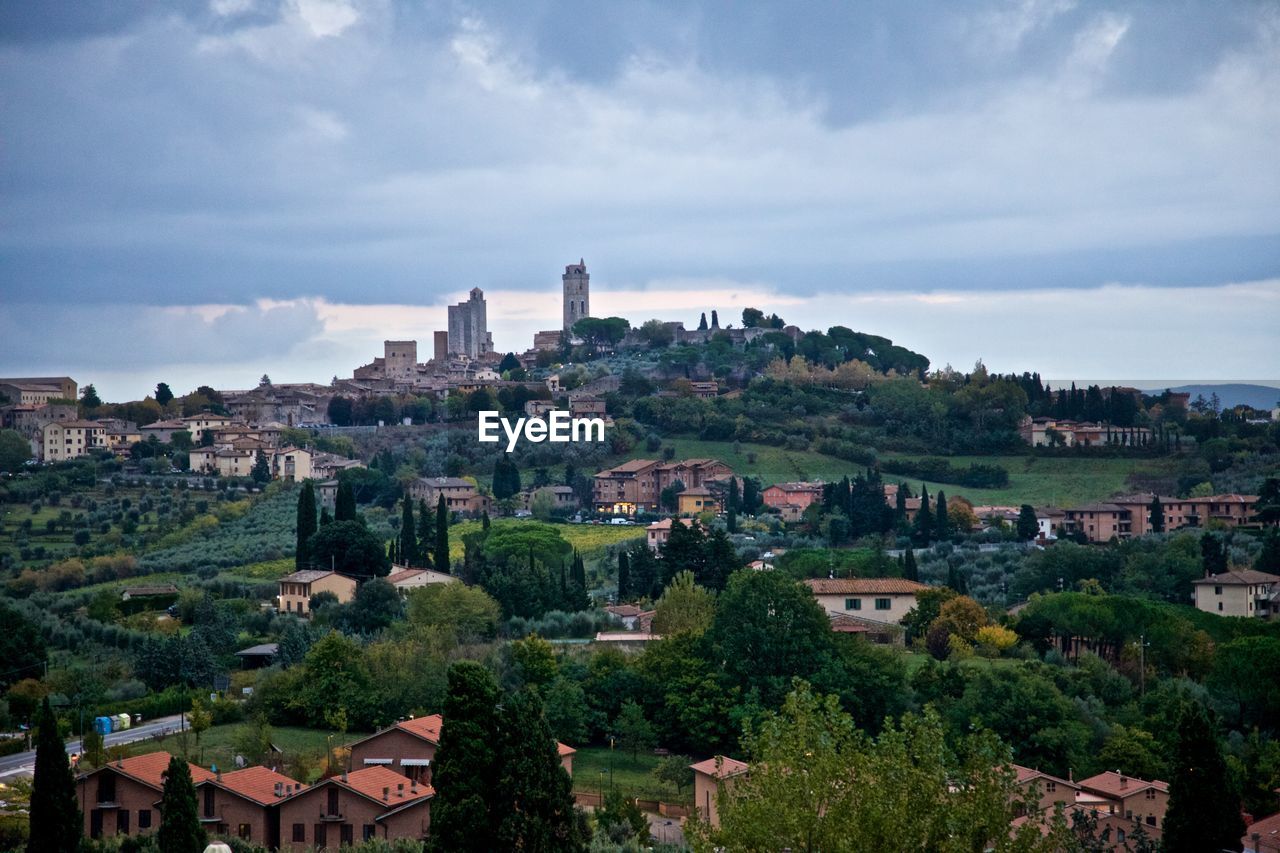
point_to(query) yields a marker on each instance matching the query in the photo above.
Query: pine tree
(306, 525)
(467, 764)
(1203, 813)
(408, 547)
(344, 508)
(624, 577)
(731, 516)
(261, 472)
(180, 829)
(1157, 515)
(535, 795)
(55, 815)
(910, 570)
(943, 525)
(442, 536)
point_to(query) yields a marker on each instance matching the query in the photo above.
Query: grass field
(1038, 481)
(590, 539)
(633, 775)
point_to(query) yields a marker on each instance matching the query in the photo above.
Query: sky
(204, 192)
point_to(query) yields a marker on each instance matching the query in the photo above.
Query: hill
(1257, 396)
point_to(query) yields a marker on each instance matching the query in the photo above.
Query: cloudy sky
(207, 191)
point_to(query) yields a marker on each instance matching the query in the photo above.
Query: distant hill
(1257, 396)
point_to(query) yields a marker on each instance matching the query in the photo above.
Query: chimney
(279, 789)
(344, 776)
(400, 790)
(386, 794)
(1124, 782)
(217, 774)
(413, 786)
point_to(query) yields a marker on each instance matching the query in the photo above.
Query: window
(1217, 590)
(1151, 793)
(107, 788)
(853, 604)
(299, 833)
(1219, 605)
(333, 802)
(883, 603)
(208, 801)
(1051, 786)
(122, 822)
(369, 832)
(347, 833)
(144, 818)
(1151, 820)
(318, 837)
(244, 831)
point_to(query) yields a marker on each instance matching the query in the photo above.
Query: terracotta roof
(1112, 784)
(623, 610)
(1268, 830)
(253, 783)
(1098, 507)
(1239, 577)
(802, 487)
(864, 586)
(165, 425)
(149, 769)
(307, 576)
(371, 781)
(720, 767)
(427, 728)
(631, 467)
(1026, 774)
(403, 575)
(564, 749)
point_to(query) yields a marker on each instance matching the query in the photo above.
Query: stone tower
(469, 327)
(577, 293)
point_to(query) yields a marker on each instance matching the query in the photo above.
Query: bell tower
(577, 293)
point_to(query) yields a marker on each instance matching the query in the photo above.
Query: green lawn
(633, 775)
(590, 539)
(1038, 481)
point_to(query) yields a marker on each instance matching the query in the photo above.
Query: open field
(633, 775)
(1040, 481)
(590, 539)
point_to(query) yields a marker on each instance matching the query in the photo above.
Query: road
(24, 762)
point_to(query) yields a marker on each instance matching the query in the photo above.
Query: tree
(624, 577)
(200, 720)
(344, 506)
(467, 768)
(306, 526)
(942, 525)
(506, 478)
(675, 770)
(55, 814)
(509, 362)
(535, 795)
(1028, 526)
(731, 506)
(348, 547)
(910, 570)
(1212, 554)
(924, 519)
(426, 530)
(567, 711)
(180, 829)
(1157, 515)
(261, 473)
(164, 395)
(684, 606)
(752, 318)
(1267, 509)
(89, 398)
(702, 323)
(408, 535)
(14, 450)
(376, 605)
(442, 536)
(468, 614)
(1204, 811)
(632, 728)
(21, 646)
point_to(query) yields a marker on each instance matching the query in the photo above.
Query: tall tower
(577, 293)
(469, 327)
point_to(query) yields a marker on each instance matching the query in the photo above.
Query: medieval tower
(577, 293)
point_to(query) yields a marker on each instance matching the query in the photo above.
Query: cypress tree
(910, 570)
(484, 520)
(1028, 525)
(467, 764)
(306, 525)
(702, 323)
(624, 576)
(1157, 515)
(1212, 554)
(924, 518)
(344, 508)
(943, 525)
(731, 517)
(55, 815)
(325, 518)
(180, 829)
(535, 795)
(426, 533)
(408, 547)
(442, 535)
(1204, 813)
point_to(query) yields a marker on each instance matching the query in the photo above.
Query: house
(163, 430)
(562, 497)
(1113, 793)
(538, 408)
(1045, 791)
(877, 599)
(659, 532)
(1262, 836)
(626, 614)
(705, 390)
(1099, 522)
(1063, 432)
(792, 494)
(880, 633)
(245, 804)
(326, 466)
(62, 440)
(697, 500)
(1232, 510)
(409, 746)
(708, 778)
(369, 803)
(1242, 592)
(122, 798)
(586, 406)
(297, 588)
(256, 657)
(203, 422)
(38, 390)
(327, 494)
(459, 495)
(638, 484)
(291, 464)
(406, 579)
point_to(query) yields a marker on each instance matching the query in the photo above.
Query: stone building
(469, 327)
(577, 293)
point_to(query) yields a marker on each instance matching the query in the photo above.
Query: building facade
(122, 797)
(296, 589)
(877, 599)
(469, 327)
(362, 805)
(1244, 593)
(459, 495)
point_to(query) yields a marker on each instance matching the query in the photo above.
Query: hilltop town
(1066, 599)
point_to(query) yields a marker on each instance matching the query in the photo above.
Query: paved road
(24, 762)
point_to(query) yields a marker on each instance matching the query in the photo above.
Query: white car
(619, 521)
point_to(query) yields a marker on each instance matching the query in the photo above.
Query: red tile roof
(371, 781)
(1268, 830)
(564, 749)
(1239, 577)
(253, 783)
(720, 767)
(427, 728)
(1026, 774)
(149, 769)
(1115, 785)
(864, 586)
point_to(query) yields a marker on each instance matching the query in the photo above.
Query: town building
(709, 777)
(204, 422)
(877, 599)
(369, 803)
(1099, 522)
(37, 390)
(122, 797)
(296, 589)
(406, 579)
(163, 431)
(1061, 432)
(469, 327)
(638, 484)
(657, 534)
(63, 440)
(577, 294)
(1043, 792)
(244, 804)
(562, 497)
(547, 340)
(1126, 797)
(459, 495)
(1123, 517)
(1262, 836)
(1242, 592)
(792, 499)
(696, 501)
